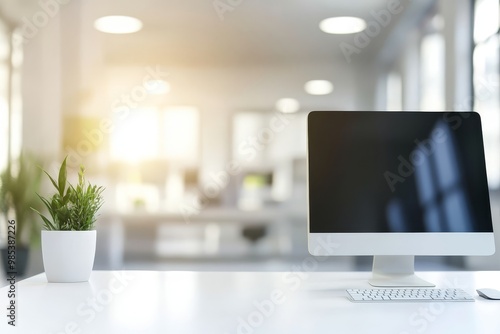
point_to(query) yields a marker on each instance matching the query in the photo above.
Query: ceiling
(194, 33)
(268, 49)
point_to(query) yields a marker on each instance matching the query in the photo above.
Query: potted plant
(69, 237)
(19, 183)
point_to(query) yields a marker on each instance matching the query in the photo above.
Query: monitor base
(396, 271)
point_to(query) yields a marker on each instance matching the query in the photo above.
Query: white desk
(233, 302)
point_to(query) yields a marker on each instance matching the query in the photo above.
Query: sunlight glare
(136, 137)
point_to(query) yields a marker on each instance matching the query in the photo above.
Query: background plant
(19, 183)
(71, 208)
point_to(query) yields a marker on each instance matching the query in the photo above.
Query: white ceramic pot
(68, 256)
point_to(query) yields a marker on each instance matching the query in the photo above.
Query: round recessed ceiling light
(318, 87)
(118, 24)
(287, 105)
(342, 25)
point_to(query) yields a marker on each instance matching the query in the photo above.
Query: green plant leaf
(66, 197)
(63, 174)
(81, 176)
(52, 180)
(46, 202)
(48, 224)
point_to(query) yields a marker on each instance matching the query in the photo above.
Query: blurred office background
(194, 120)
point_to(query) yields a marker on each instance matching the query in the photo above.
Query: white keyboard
(409, 295)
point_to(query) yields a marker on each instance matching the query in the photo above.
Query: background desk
(241, 302)
(211, 234)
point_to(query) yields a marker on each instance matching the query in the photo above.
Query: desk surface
(241, 302)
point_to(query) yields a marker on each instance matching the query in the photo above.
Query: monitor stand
(396, 271)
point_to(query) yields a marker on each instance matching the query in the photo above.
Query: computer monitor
(395, 185)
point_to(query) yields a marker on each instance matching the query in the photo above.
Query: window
(181, 134)
(4, 106)
(136, 138)
(432, 66)
(150, 134)
(486, 82)
(11, 57)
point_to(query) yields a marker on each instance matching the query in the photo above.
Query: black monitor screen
(397, 172)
